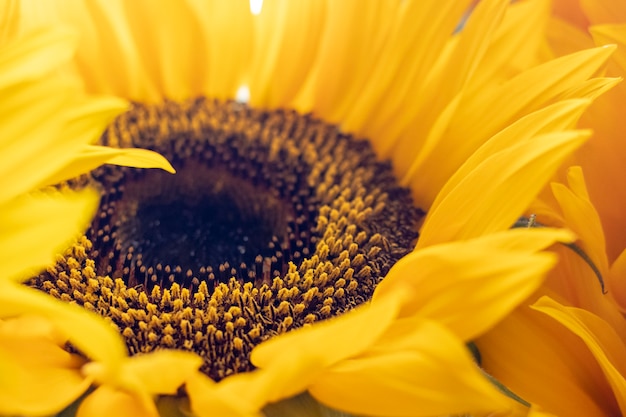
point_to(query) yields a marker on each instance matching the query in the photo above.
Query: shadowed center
(201, 217)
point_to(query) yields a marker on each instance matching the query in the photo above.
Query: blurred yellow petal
(604, 11)
(229, 30)
(515, 42)
(45, 377)
(163, 372)
(91, 334)
(525, 352)
(208, 401)
(601, 339)
(36, 53)
(405, 86)
(617, 284)
(38, 226)
(474, 40)
(288, 35)
(32, 149)
(106, 401)
(9, 20)
(609, 34)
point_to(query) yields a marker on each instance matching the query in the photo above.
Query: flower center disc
(274, 220)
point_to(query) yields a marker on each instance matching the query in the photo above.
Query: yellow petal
(491, 196)
(469, 286)
(91, 157)
(163, 371)
(37, 227)
(531, 90)
(107, 57)
(287, 35)
(29, 134)
(515, 44)
(90, 333)
(397, 88)
(617, 283)
(107, 401)
(445, 87)
(543, 363)
(349, 51)
(44, 377)
(601, 339)
(608, 34)
(9, 20)
(350, 333)
(553, 118)
(581, 217)
(433, 375)
(34, 54)
(297, 357)
(228, 29)
(207, 401)
(604, 11)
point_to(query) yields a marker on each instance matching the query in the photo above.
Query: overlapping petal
(545, 363)
(488, 195)
(344, 360)
(602, 340)
(443, 275)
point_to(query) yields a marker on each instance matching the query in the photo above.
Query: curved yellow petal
(432, 375)
(543, 363)
(491, 196)
(91, 157)
(581, 217)
(606, 345)
(349, 54)
(515, 44)
(476, 120)
(469, 286)
(107, 57)
(24, 167)
(401, 86)
(297, 358)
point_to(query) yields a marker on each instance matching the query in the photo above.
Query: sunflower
(568, 341)
(262, 253)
